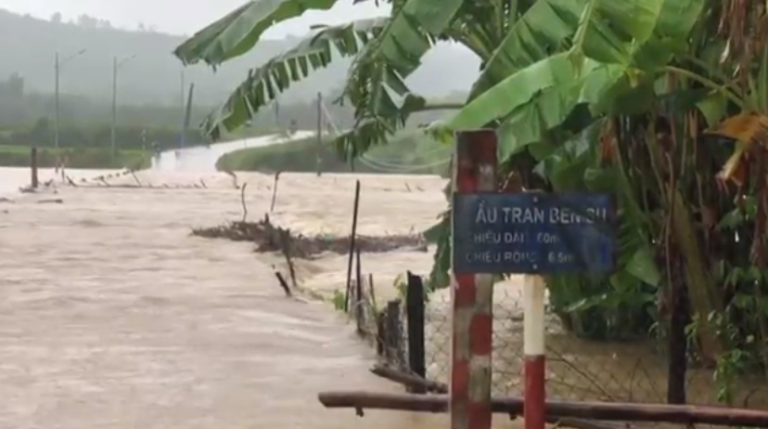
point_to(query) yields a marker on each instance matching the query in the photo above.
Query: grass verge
(408, 153)
(85, 158)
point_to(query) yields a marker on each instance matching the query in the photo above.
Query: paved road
(203, 158)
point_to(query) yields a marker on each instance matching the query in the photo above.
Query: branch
(242, 201)
(415, 382)
(685, 414)
(409, 380)
(723, 89)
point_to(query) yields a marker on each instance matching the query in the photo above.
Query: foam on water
(193, 159)
(14, 178)
(203, 158)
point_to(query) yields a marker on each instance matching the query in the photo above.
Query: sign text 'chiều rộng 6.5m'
(533, 233)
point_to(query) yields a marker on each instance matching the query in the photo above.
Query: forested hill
(28, 47)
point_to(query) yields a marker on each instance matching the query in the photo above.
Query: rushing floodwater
(113, 316)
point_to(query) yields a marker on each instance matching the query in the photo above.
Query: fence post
(352, 236)
(414, 307)
(677, 364)
(472, 295)
(33, 167)
(381, 334)
(393, 338)
(359, 298)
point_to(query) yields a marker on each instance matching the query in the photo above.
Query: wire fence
(577, 369)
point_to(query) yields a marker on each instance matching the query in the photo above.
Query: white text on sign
(550, 215)
(489, 257)
(491, 237)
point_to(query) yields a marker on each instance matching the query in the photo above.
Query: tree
(56, 18)
(587, 95)
(86, 21)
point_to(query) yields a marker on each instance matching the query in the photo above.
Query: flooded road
(203, 158)
(112, 316)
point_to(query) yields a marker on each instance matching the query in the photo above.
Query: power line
(381, 165)
(392, 167)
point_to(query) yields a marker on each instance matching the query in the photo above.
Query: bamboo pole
(352, 237)
(33, 167)
(513, 405)
(414, 381)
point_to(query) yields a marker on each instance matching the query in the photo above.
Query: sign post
(531, 233)
(534, 352)
(472, 295)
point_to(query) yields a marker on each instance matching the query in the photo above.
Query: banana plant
(550, 68)
(383, 107)
(541, 60)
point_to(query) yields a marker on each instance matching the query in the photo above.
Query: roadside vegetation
(89, 146)
(409, 152)
(663, 104)
(85, 158)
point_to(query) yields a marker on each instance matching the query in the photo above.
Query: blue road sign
(533, 233)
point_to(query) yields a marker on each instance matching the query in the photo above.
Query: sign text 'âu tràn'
(533, 233)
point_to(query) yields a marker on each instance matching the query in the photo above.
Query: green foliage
(409, 153)
(98, 136)
(218, 43)
(266, 82)
(339, 299)
(19, 156)
(602, 96)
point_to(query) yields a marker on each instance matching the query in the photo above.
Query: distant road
(203, 159)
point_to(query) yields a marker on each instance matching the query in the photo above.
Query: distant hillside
(28, 46)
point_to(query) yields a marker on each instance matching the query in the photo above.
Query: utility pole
(183, 108)
(319, 133)
(113, 128)
(277, 114)
(188, 112)
(56, 69)
(113, 131)
(57, 63)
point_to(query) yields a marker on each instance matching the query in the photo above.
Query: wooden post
(381, 333)
(274, 191)
(352, 237)
(372, 291)
(359, 300)
(415, 315)
(561, 413)
(394, 340)
(472, 296)
(33, 167)
(319, 159)
(677, 362)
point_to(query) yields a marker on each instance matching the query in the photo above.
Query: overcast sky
(180, 16)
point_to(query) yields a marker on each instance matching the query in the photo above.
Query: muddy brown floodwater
(113, 316)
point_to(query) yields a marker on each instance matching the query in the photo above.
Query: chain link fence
(577, 369)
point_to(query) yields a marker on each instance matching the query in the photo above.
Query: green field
(406, 153)
(87, 158)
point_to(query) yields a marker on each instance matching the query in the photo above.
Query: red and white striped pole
(472, 296)
(533, 347)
